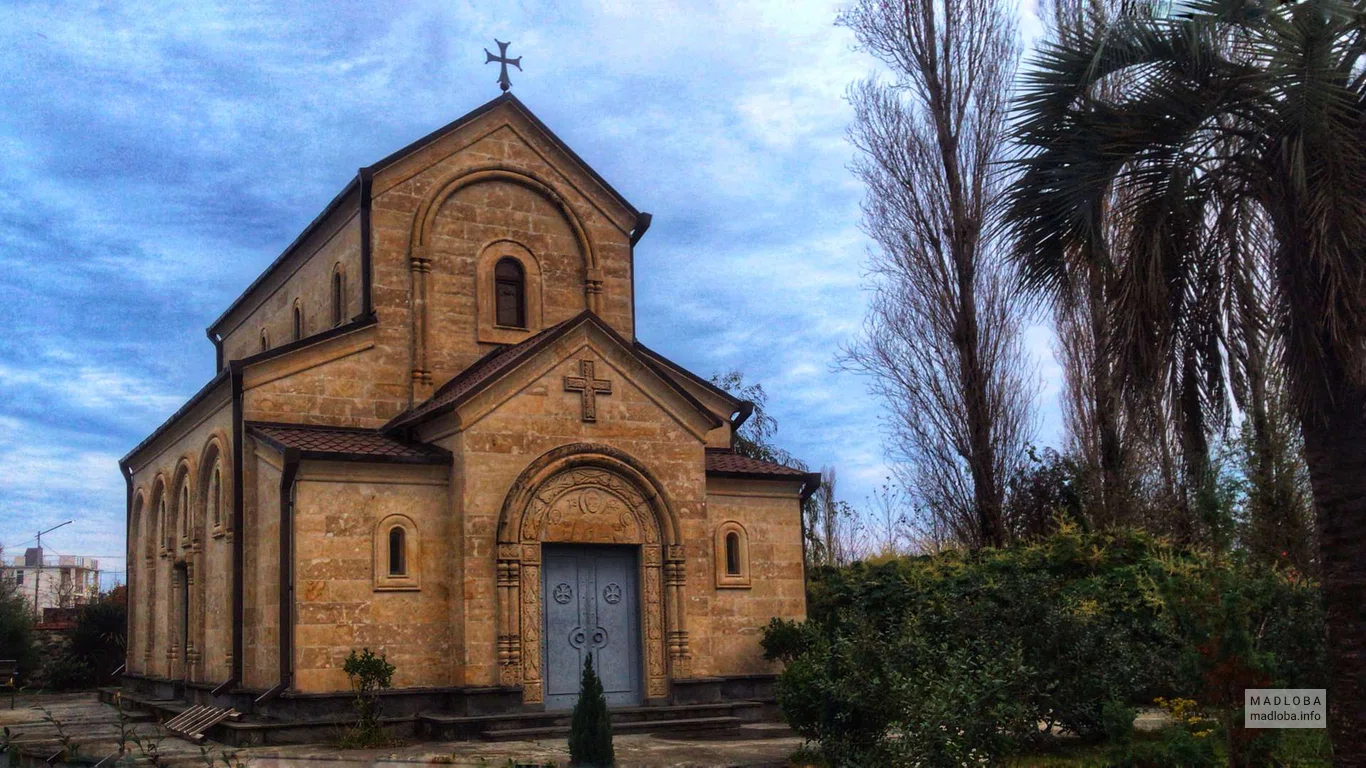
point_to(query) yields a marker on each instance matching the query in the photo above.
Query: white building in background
(61, 581)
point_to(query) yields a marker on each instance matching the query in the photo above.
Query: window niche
(184, 511)
(297, 320)
(338, 294)
(216, 500)
(508, 293)
(732, 556)
(164, 524)
(397, 555)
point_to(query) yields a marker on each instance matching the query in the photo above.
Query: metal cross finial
(501, 58)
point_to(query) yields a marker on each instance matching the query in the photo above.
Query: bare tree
(941, 341)
(888, 530)
(838, 532)
(66, 590)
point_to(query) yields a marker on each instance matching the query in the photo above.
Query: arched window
(185, 509)
(397, 552)
(510, 294)
(216, 498)
(298, 320)
(165, 522)
(265, 341)
(732, 556)
(398, 557)
(338, 296)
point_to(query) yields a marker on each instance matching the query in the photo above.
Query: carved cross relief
(588, 388)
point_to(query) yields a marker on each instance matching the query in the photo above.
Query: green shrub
(369, 675)
(67, 673)
(1118, 722)
(100, 637)
(590, 728)
(926, 659)
(16, 633)
(1177, 749)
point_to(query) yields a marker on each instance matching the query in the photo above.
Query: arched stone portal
(588, 494)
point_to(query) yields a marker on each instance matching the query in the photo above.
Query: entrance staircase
(540, 725)
(437, 723)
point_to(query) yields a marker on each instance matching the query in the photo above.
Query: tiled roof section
(348, 444)
(730, 463)
(467, 381)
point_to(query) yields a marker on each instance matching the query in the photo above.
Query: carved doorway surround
(588, 494)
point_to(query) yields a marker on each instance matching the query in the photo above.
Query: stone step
(681, 724)
(440, 725)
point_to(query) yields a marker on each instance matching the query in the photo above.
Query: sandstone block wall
(183, 457)
(261, 607)
(530, 415)
(339, 604)
(344, 381)
(480, 215)
(730, 620)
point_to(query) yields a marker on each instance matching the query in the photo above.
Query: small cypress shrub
(590, 730)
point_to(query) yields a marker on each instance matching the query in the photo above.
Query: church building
(434, 433)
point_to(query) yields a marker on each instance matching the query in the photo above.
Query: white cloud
(159, 155)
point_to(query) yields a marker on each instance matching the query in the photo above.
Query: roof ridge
(470, 381)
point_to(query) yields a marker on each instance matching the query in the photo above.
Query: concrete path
(95, 727)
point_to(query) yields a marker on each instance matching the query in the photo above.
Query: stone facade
(387, 478)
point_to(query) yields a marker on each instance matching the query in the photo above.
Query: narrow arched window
(184, 510)
(265, 340)
(338, 296)
(732, 554)
(298, 321)
(510, 293)
(216, 497)
(165, 522)
(397, 553)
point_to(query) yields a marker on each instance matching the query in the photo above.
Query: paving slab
(96, 728)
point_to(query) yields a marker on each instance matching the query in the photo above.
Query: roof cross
(588, 388)
(502, 58)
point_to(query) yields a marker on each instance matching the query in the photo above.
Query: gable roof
(689, 375)
(525, 111)
(493, 366)
(347, 444)
(729, 464)
(368, 172)
(726, 462)
(351, 186)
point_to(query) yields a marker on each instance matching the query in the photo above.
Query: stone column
(150, 609)
(593, 288)
(532, 692)
(657, 678)
(509, 614)
(675, 575)
(173, 624)
(420, 265)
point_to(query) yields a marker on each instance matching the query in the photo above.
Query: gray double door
(592, 606)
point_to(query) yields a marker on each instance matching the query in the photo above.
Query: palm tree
(1227, 112)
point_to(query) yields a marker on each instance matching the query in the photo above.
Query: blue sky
(156, 157)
